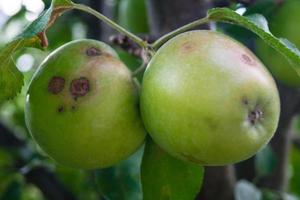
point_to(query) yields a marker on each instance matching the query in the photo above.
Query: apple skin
(94, 123)
(283, 23)
(207, 99)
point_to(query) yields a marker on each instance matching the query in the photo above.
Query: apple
(283, 23)
(207, 99)
(82, 106)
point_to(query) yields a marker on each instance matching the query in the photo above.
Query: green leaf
(265, 161)
(121, 181)
(258, 24)
(11, 79)
(164, 177)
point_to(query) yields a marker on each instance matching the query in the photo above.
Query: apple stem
(158, 43)
(139, 70)
(112, 24)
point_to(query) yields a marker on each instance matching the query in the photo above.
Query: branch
(48, 183)
(129, 45)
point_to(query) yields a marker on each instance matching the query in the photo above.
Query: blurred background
(27, 174)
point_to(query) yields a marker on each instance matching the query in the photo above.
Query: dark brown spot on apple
(56, 84)
(93, 51)
(79, 87)
(61, 109)
(73, 108)
(255, 116)
(248, 60)
(245, 101)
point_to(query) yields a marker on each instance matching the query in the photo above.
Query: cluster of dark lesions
(79, 87)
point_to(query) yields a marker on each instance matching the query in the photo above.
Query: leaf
(245, 190)
(121, 181)
(164, 177)
(258, 24)
(11, 79)
(265, 161)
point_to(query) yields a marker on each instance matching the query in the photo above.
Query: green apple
(82, 106)
(207, 99)
(283, 23)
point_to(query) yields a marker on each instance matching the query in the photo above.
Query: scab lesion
(56, 84)
(79, 87)
(61, 109)
(248, 60)
(93, 51)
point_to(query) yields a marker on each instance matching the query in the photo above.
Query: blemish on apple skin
(79, 87)
(93, 51)
(245, 101)
(56, 84)
(187, 47)
(61, 109)
(255, 116)
(246, 59)
(73, 108)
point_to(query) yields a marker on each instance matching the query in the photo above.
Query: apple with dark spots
(82, 106)
(284, 23)
(207, 99)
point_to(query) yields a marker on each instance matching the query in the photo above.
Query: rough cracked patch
(79, 87)
(56, 85)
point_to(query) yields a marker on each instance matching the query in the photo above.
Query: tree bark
(218, 183)
(168, 15)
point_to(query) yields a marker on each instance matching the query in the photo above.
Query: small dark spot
(245, 101)
(73, 108)
(247, 60)
(254, 116)
(93, 51)
(56, 84)
(79, 87)
(61, 109)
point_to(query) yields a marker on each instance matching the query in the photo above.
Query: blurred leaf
(13, 191)
(265, 161)
(164, 177)
(123, 180)
(294, 182)
(245, 190)
(72, 179)
(133, 16)
(257, 24)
